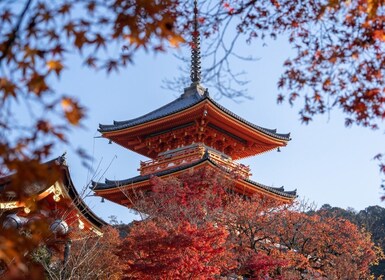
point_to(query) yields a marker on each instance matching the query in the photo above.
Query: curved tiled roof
(186, 100)
(79, 202)
(271, 132)
(183, 102)
(111, 184)
(69, 186)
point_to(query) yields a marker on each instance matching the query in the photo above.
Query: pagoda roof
(67, 184)
(79, 202)
(192, 96)
(116, 184)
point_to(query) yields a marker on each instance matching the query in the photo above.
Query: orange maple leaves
(72, 110)
(55, 65)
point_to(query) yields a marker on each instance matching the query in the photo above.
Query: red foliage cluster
(162, 250)
(202, 231)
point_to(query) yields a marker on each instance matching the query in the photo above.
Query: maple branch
(13, 37)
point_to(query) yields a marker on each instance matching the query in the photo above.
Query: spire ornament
(195, 50)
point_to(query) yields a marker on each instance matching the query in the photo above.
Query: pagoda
(191, 132)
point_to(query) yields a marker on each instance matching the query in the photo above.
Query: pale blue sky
(325, 162)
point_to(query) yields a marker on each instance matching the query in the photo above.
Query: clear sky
(324, 161)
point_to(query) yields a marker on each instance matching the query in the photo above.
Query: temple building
(191, 132)
(55, 201)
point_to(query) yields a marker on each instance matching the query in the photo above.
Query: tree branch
(13, 37)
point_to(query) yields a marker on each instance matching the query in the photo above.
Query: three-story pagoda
(191, 132)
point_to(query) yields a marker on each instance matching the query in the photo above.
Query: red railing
(188, 155)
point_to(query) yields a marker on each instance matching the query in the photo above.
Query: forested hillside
(372, 219)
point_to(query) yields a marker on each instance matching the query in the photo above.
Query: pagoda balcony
(190, 154)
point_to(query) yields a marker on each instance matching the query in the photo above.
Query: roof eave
(110, 185)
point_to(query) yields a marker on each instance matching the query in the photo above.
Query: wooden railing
(231, 166)
(190, 154)
(172, 159)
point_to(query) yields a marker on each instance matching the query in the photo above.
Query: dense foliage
(197, 228)
(372, 219)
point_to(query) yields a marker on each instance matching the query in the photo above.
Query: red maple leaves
(196, 228)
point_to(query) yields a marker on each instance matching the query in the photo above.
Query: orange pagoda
(191, 132)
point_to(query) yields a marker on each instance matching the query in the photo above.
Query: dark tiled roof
(271, 132)
(111, 184)
(79, 202)
(183, 102)
(68, 184)
(190, 98)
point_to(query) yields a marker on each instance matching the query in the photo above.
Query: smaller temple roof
(192, 96)
(35, 189)
(112, 184)
(79, 202)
